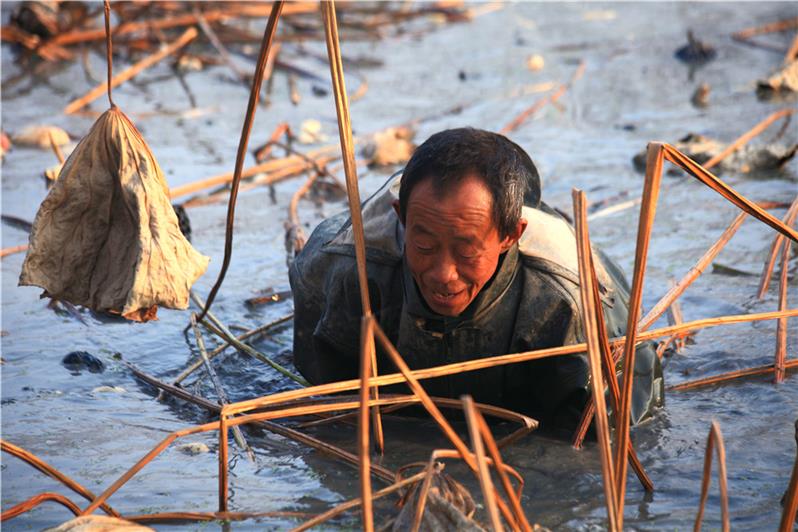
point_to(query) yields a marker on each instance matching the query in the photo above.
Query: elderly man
(464, 261)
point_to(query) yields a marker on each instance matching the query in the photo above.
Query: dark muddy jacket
(531, 302)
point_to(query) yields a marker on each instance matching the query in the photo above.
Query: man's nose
(445, 271)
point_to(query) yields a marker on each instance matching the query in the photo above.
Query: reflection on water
(633, 91)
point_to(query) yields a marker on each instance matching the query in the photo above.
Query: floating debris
(700, 97)
(535, 62)
(109, 389)
(40, 136)
(783, 81)
(746, 159)
(310, 132)
(5, 144)
(193, 449)
(390, 147)
(99, 523)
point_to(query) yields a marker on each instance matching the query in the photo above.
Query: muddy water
(633, 91)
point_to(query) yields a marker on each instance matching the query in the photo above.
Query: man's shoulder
(329, 254)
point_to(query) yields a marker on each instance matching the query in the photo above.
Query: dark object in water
(182, 221)
(82, 360)
(695, 51)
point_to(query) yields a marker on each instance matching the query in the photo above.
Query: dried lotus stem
(366, 355)
(109, 55)
(714, 439)
(341, 508)
(36, 500)
(254, 96)
(781, 327)
(129, 73)
(611, 493)
(483, 474)
(791, 497)
(775, 247)
(352, 190)
(50, 471)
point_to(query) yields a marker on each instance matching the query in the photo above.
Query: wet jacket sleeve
(326, 323)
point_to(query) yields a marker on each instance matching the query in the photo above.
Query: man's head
(460, 201)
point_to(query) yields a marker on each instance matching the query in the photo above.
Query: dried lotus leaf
(106, 236)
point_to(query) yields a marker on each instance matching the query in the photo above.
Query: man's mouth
(445, 298)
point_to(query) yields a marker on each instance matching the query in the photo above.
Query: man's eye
(424, 249)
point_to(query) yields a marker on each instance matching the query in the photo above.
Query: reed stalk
(225, 334)
(714, 439)
(366, 354)
(501, 467)
(522, 117)
(483, 474)
(781, 323)
(707, 178)
(222, 425)
(171, 517)
(147, 62)
(781, 25)
(732, 375)
(12, 250)
(655, 158)
(56, 148)
(217, 385)
(589, 317)
(246, 129)
(430, 470)
(52, 472)
(228, 12)
(495, 361)
(692, 274)
(36, 500)
(775, 247)
(284, 166)
(747, 136)
(341, 508)
(790, 509)
(223, 460)
(287, 432)
(352, 189)
(194, 366)
(219, 46)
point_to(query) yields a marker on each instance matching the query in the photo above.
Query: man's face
(452, 244)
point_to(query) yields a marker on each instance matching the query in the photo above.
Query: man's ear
(513, 237)
(395, 205)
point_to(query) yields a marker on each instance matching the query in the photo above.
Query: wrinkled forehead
(466, 201)
(462, 184)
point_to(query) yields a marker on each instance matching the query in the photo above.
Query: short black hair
(505, 168)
